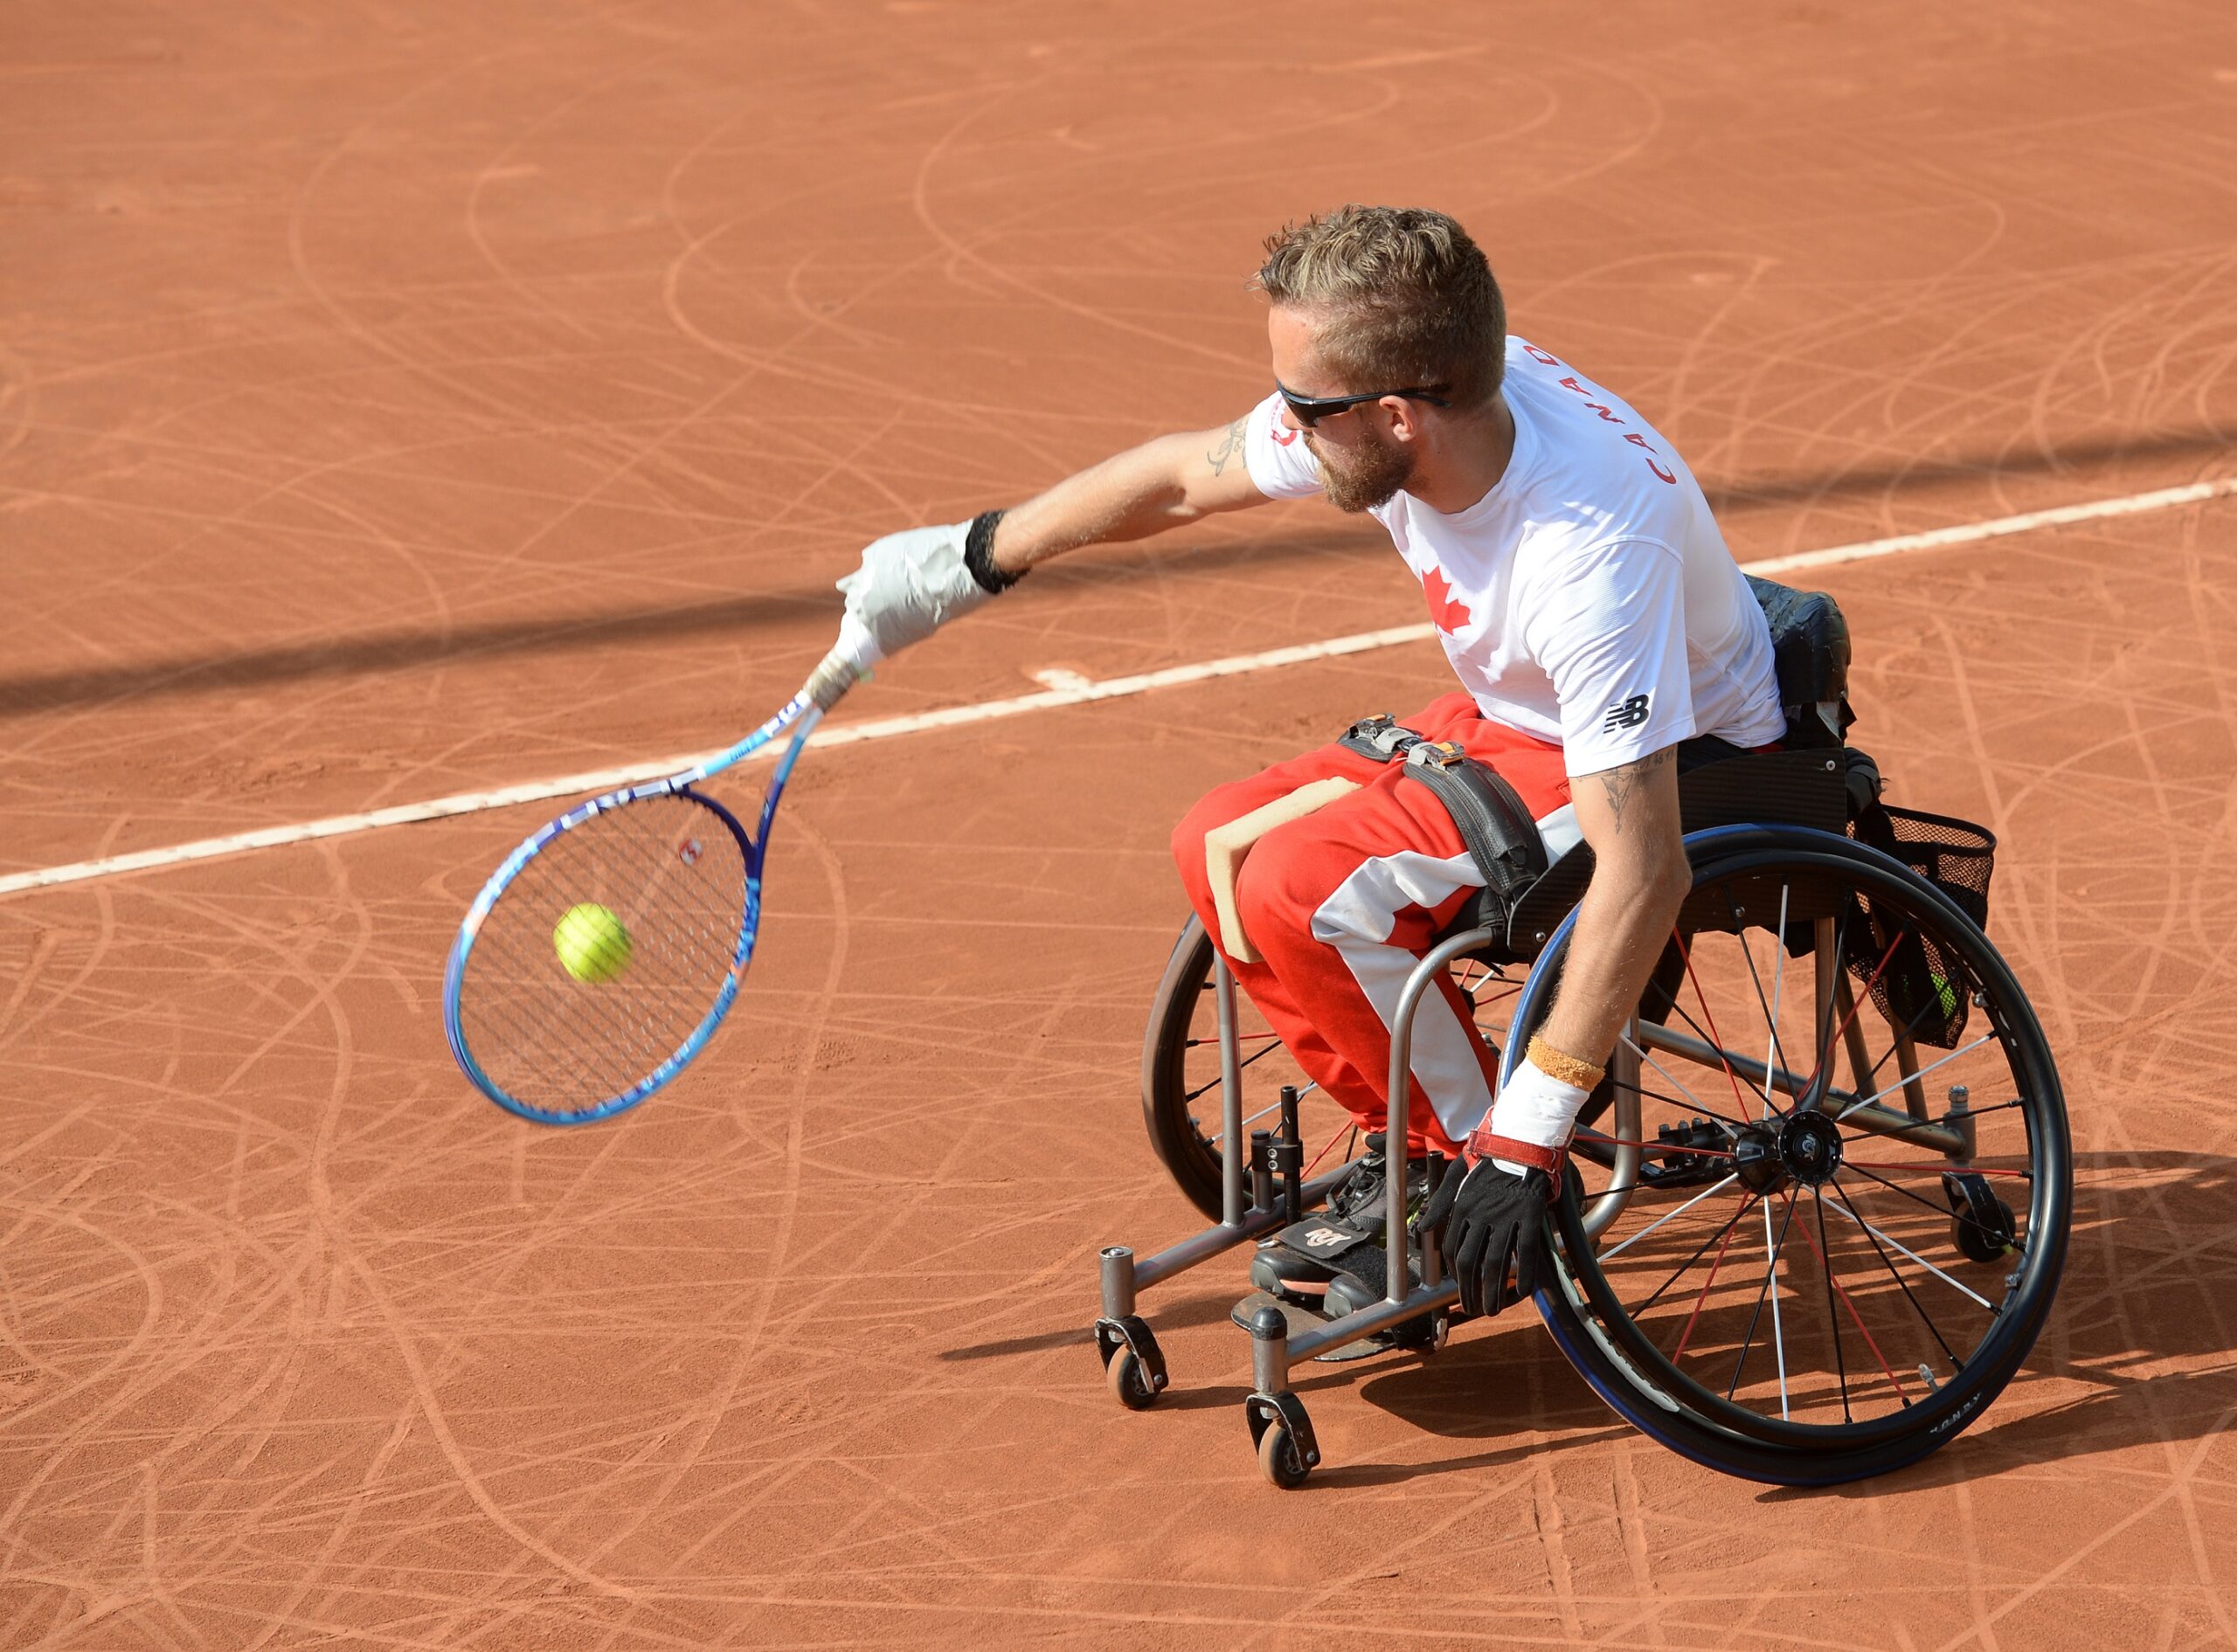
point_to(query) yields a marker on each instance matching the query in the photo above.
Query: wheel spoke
(1895, 1133)
(1840, 1364)
(2018, 1240)
(1825, 1052)
(1720, 1234)
(1696, 1104)
(1770, 1273)
(1876, 1236)
(1262, 1051)
(1909, 1029)
(1712, 1037)
(1615, 1251)
(1834, 1287)
(1889, 1090)
(1700, 1300)
(1775, 1060)
(1675, 1105)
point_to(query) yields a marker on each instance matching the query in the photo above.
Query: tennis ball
(1944, 989)
(592, 943)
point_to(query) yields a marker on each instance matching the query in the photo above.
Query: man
(1594, 617)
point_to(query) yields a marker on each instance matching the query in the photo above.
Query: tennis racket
(600, 957)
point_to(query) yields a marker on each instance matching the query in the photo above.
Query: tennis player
(1593, 616)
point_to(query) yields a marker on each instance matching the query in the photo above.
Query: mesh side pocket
(1921, 986)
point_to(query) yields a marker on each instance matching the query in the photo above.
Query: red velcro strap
(1482, 1145)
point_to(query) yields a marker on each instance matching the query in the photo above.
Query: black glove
(1488, 1222)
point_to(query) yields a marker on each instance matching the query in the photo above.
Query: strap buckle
(1443, 755)
(1382, 737)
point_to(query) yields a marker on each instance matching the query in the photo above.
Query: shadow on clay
(2078, 454)
(814, 602)
(1171, 1314)
(2142, 1322)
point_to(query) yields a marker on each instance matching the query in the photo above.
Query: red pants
(1341, 903)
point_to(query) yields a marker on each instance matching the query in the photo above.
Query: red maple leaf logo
(1446, 614)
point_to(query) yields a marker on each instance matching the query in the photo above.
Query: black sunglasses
(1309, 410)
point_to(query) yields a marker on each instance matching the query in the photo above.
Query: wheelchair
(1816, 1211)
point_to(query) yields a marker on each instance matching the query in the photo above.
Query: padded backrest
(1810, 643)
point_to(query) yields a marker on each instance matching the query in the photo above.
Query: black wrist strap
(979, 554)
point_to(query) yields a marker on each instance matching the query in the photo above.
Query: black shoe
(1361, 1281)
(1300, 1261)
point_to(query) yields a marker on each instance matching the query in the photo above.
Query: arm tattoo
(1622, 784)
(1230, 449)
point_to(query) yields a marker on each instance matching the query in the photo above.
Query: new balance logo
(1626, 714)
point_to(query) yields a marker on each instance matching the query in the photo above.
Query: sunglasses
(1309, 410)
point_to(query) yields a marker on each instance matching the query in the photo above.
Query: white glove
(910, 585)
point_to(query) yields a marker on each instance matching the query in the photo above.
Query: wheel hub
(1803, 1147)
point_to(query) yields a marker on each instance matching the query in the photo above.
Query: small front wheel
(1128, 1382)
(1981, 1225)
(1279, 1458)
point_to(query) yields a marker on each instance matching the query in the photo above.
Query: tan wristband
(1567, 1069)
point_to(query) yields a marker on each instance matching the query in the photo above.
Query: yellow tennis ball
(592, 943)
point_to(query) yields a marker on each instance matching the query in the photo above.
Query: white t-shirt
(1587, 598)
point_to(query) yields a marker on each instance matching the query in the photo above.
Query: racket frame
(799, 717)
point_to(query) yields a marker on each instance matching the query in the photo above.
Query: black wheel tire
(1279, 1460)
(1192, 1162)
(1128, 1382)
(1611, 1371)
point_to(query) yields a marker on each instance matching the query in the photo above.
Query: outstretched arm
(912, 583)
(1143, 491)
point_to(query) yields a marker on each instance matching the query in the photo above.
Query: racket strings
(671, 868)
(586, 1042)
(679, 953)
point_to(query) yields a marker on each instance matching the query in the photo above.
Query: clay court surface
(397, 402)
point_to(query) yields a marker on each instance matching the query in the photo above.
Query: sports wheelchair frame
(1774, 1254)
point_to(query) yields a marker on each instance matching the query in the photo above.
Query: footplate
(1300, 1319)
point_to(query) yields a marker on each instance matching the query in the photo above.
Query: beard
(1361, 478)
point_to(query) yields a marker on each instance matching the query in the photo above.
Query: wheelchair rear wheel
(1815, 1273)
(1181, 1064)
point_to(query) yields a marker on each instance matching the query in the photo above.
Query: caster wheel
(1981, 1224)
(1279, 1459)
(1981, 1247)
(1128, 1382)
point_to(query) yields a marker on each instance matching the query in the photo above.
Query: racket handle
(844, 666)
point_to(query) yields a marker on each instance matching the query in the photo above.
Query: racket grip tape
(844, 666)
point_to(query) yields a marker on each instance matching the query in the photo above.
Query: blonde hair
(1409, 301)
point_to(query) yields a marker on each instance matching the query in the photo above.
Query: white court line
(1069, 689)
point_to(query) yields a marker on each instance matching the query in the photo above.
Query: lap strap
(1502, 837)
